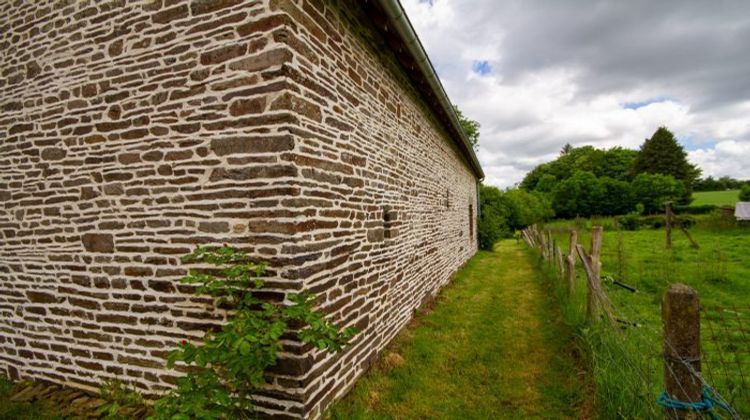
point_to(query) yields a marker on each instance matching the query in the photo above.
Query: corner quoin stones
(134, 131)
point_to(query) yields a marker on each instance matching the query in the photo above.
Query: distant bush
(702, 209)
(652, 190)
(686, 222)
(656, 221)
(745, 192)
(493, 217)
(503, 212)
(630, 221)
(526, 208)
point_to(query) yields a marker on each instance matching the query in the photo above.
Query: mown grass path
(492, 346)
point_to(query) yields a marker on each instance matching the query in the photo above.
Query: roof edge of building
(407, 37)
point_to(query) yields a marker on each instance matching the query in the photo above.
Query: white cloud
(608, 77)
(730, 157)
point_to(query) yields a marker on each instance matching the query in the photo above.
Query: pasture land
(716, 198)
(491, 346)
(626, 361)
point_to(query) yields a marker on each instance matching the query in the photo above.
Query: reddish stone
(237, 145)
(98, 242)
(247, 106)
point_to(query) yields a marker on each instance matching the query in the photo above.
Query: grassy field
(627, 366)
(717, 198)
(490, 347)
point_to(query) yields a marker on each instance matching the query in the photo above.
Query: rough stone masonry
(133, 131)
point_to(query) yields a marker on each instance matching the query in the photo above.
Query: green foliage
(118, 397)
(652, 190)
(615, 163)
(18, 410)
(661, 154)
(693, 209)
(585, 181)
(526, 208)
(578, 195)
(629, 221)
(721, 184)
(503, 212)
(493, 217)
(229, 365)
(470, 127)
(745, 193)
(617, 197)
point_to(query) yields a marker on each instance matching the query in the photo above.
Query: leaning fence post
(680, 312)
(551, 247)
(668, 223)
(571, 262)
(596, 250)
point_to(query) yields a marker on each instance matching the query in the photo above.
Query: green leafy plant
(119, 400)
(229, 365)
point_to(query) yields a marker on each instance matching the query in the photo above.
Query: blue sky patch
(481, 67)
(641, 104)
(692, 143)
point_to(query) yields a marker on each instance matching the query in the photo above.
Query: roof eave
(422, 68)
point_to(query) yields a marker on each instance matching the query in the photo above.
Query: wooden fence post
(571, 262)
(668, 223)
(596, 298)
(596, 250)
(680, 312)
(550, 247)
(592, 266)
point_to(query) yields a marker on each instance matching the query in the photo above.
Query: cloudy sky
(541, 73)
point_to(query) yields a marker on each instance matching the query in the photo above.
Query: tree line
(586, 181)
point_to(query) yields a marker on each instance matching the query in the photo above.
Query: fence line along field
(636, 270)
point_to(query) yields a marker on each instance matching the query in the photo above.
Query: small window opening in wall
(471, 221)
(389, 222)
(447, 199)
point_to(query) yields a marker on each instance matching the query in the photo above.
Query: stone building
(312, 134)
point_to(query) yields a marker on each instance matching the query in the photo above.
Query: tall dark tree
(661, 154)
(566, 149)
(471, 128)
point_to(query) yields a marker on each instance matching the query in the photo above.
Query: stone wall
(132, 131)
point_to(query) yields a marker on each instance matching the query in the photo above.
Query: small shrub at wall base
(229, 365)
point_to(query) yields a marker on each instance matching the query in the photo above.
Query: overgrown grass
(626, 361)
(717, 198)
(23, 411)
(490, 347)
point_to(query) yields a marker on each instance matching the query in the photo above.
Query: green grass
(717, 198)
(720, 271)
(23, 411)
(491, 347)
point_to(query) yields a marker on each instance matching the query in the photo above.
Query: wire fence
(726, 351)
(653, 371)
